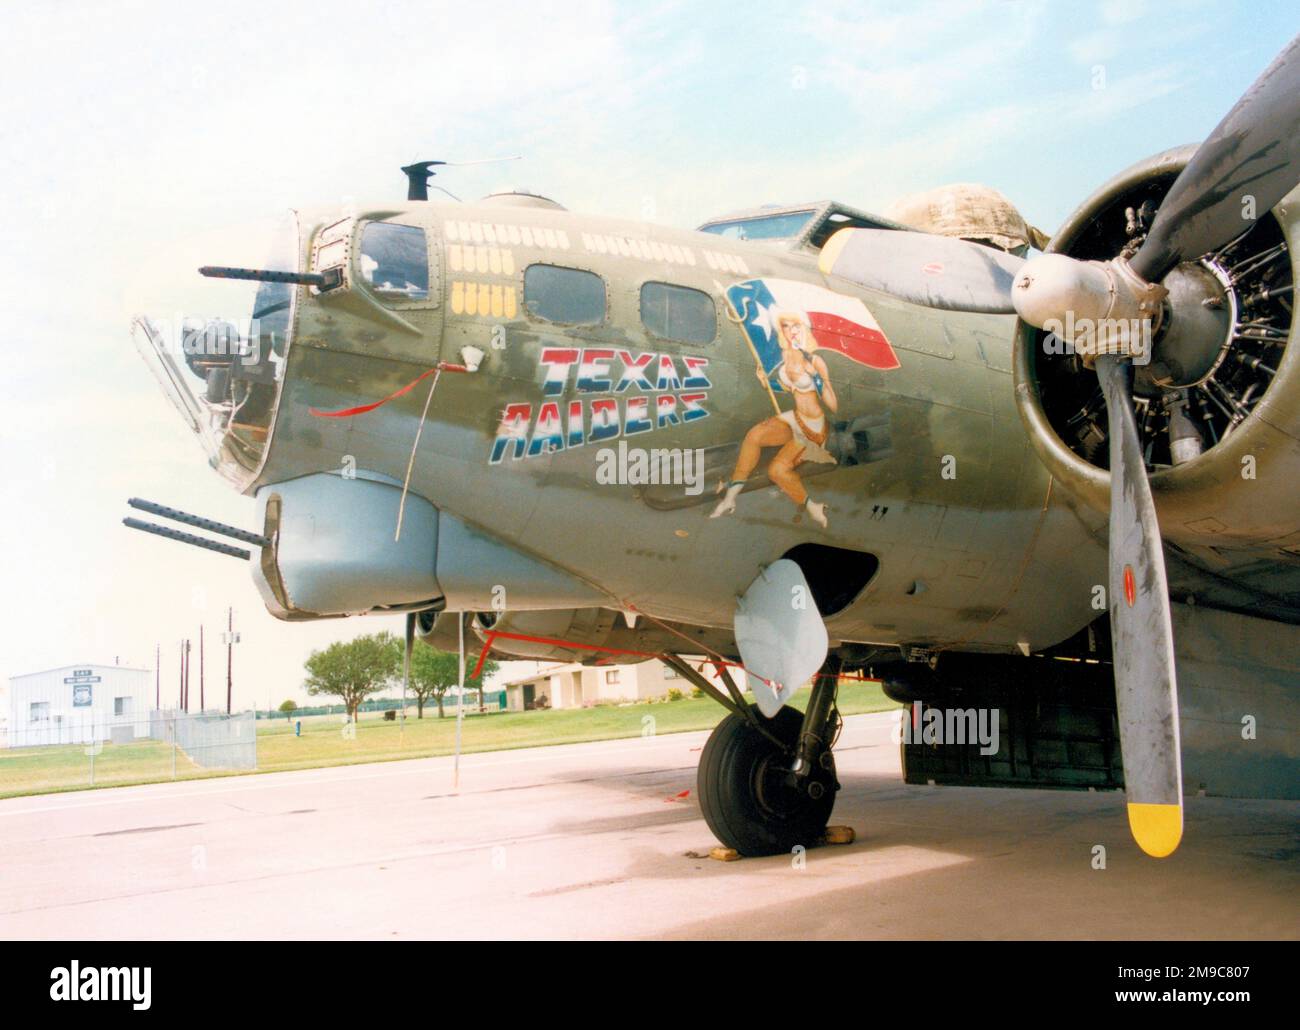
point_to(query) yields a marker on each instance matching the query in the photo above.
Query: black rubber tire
(744, 793)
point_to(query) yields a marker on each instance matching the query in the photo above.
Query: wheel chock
(833, 835)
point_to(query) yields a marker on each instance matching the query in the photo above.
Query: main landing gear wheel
(751, 800)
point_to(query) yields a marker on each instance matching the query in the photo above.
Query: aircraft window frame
(734, 228)
(536, 316)
(392, 299)
(834, 216)
(664, 335)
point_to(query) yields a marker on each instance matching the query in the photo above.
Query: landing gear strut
(768, 785)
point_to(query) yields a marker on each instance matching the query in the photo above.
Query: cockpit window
(394, 261)
(770, 227)
(679, 313)
(566, 295)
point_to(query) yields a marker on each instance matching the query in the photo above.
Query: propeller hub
(1048, 287)
(1094, 307)
(1197, 333)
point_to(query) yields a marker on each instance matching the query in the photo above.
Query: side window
(394, 261)
(567, 295)
(679, 313)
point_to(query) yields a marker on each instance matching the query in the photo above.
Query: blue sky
(134, 128)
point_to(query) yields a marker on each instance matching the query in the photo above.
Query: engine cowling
(1218, 406)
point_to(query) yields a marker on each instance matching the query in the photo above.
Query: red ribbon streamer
(362, 409)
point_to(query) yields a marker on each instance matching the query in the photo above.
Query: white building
(79, 704)
(578, 686)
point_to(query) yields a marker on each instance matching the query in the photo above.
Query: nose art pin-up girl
(799, 434)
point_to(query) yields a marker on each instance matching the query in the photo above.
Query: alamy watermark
(924, 724)
(1128, 337)
(651, 466)
(185, 336)
(102, 983)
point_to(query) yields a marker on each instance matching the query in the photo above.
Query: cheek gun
(197, 521)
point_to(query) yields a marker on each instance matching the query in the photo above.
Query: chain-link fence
(212, 741)
(491, 700)
(63, 752)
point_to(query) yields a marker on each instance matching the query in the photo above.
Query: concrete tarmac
(605, 840)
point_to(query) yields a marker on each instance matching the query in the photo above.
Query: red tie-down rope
(718, 661)
(495, 635)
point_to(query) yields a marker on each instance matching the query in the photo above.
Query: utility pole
(157, 676)
(230, 652)
(185, 693)
(202, 703)
(180, 692)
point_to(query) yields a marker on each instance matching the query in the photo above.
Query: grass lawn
(41, 770)
(325, 740)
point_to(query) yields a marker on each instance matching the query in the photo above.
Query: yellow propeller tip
(1156, 828)
(831, 250)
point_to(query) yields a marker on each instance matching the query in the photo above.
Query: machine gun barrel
(187, 538)
(326, 280)
(195, 520)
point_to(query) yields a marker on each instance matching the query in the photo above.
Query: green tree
(352, 670)
(288, 707)
(434, 672)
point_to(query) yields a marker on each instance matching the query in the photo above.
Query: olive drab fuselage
(976, 550)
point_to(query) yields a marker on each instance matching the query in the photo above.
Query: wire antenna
(419, 174)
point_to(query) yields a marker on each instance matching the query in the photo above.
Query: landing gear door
(780, 633)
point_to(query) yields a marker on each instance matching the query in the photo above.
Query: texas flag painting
(838, 323)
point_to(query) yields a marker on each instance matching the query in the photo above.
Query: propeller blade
(1141, 631)
(1254, 152)
(937, 271)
